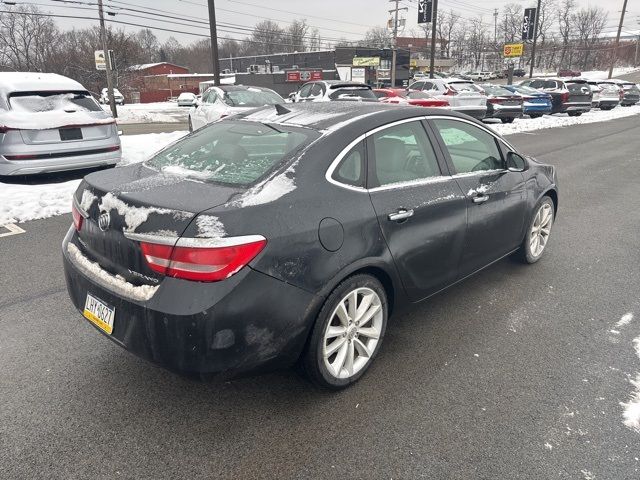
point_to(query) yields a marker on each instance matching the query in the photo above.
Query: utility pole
(434, 20)
(495, 37)
(214, 42)
(107, 60)
(535, 40)
(614, 57)
(394, 52)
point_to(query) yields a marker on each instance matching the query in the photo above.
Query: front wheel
(538, 231)
(347, 334)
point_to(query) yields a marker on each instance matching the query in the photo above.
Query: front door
(495, 196)
(420, 207)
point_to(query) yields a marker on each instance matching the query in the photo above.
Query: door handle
(401, 214)
(480, 198)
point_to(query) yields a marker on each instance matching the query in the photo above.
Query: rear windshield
(35, 102)
(493, 90)
(251, 97)
(526, 90)
(346, 93)
(578, 88)
(416, 95)
(546, 84)
(232, 152)
(465, 87)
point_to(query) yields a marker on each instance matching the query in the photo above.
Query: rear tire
(190, 124)
(507, 120)
(574, 114)
(534, 115)
(538, 231)
(347, 333)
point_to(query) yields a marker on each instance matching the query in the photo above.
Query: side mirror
(516, 163)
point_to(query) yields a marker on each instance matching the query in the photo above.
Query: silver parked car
(50, 123)
(463, 96)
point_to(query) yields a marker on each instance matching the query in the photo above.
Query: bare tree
(589, 25)
(149, 43)
(379, 37)
(296, 36)
(447, 22)
(565, 27)
(315, 41)
(267, 37)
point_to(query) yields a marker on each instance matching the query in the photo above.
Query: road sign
(513, 49)
(101, 61)
(366, 61)
(425, 9)
(529, 24)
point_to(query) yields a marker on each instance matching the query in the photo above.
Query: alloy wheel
(541, 229)
(352, 333)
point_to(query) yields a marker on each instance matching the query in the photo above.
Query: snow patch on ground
(624, 320)
(631, 413)
(159, 112)
(114, 283)
(23, 202)
(520, 125)
(210, 227)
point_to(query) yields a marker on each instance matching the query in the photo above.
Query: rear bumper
(497, 111)
(31, 167)
(249, 322)
(539, 108)
(475, 112)
(575, 107)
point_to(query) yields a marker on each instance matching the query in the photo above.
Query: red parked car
(408, 97)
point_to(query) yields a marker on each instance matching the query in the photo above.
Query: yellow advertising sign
(513, 49)
(366, 61)
(413, 63)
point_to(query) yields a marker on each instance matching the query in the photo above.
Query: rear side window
(305, 90)
(471, 149)
(403, 153)
(352, 167)
(417, 86)
(232, 152)
(35, 102)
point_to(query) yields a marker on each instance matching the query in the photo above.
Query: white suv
(463, 96)
(117, 96)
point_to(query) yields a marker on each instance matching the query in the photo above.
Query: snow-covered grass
(618, 71)
(563, 120)
(21, 202)
(160, 112)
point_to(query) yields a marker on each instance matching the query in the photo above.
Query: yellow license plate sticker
(99, 313)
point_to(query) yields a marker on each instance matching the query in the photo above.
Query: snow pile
(115, 283)
(210, 227)
(563, 120)
(602, 74)
(160, 112)
(21, 203)
(631, 412)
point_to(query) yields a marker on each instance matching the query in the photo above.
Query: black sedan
(290, 234)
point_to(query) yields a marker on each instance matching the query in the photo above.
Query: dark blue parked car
(536, 103)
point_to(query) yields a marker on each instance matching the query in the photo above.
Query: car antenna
(282, 110)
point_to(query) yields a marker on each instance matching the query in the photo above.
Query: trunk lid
(67, 135)
(138, 200)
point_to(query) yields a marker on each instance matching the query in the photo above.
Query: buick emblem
(103, 221)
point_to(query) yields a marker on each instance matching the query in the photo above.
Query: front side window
(351, 169)
(305, 90)
(232, 152)
(403, 153)
(417, 86)
(317, 90)
(471, 149)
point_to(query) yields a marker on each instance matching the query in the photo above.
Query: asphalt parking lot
(512, 374)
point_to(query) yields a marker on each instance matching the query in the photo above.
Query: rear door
(420, 207)
(495, 197)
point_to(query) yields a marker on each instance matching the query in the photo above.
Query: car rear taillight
(564, 97)
(195, 259)
(495, 100)
(78, 218)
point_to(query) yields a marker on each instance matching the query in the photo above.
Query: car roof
(340, 83)
(331, 115)
(11, 82)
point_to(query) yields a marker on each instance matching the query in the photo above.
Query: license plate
(99, 313)
(70, 134)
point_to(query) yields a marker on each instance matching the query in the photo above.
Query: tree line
(568, 37)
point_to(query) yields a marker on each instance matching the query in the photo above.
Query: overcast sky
(334, 19)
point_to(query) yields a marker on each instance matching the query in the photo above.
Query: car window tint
(417, 86)
(317, 90)
(351, 168)
(428, 86)
(212, 97)
(471, 149)
(403, 153)
(231, 152)
(304, 91)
